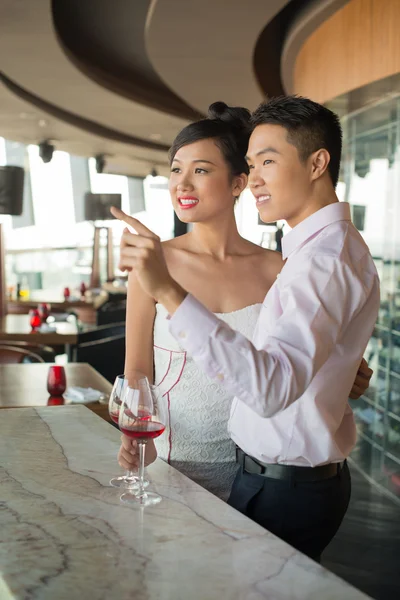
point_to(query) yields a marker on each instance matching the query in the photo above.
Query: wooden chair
(47, 353)
(11, 355)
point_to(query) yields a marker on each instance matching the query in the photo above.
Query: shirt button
(220, 377)
(182, 334)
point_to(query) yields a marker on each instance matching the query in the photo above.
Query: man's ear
(319, 163)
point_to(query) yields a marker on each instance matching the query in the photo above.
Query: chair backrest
(116, 296)
(10, 355)
(100, 333)
(111, 312)
(45, 352)
(106, 355)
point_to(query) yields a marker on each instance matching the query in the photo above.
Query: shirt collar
(338, 211)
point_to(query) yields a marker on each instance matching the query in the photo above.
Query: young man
(290, 417)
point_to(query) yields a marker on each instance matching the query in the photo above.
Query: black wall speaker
(97, 206)
(11, 190)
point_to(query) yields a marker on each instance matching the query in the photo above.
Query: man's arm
(317, 304)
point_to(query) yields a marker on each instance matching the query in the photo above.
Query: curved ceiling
(206, 52)
(23, 122)
(333, 62)
(303, 25)
(122, 78)
(33, 60)
(108, 45)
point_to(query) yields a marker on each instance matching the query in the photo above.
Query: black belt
(291, 472)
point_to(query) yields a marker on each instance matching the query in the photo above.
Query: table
(66, 535)
(24, 385)
(85, 308)
(16, 328)
(114, 289)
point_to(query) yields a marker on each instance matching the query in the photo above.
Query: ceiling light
(46, 151)
(42, 123)
(27, 115)
(155, 136)
(100, 163)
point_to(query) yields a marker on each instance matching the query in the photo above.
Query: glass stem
(130, 478)
(142, 450)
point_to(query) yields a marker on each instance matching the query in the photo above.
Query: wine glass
(139, 419)
(130, 478)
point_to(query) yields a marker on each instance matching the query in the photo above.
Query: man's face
(279, 180)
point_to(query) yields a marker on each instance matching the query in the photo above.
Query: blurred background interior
(92, 95)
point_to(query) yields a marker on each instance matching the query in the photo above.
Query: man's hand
(361, 383)
(143, 253)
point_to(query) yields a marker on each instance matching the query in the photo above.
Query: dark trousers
(306, 515)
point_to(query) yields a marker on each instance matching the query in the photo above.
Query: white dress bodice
(196, 408)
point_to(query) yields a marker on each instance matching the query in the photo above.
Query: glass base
(127, 482)
(146, 499)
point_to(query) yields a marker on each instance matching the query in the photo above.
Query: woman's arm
(140, 315)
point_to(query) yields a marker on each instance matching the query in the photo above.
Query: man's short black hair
(309, 125)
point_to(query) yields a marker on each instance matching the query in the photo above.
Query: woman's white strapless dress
(196, 408)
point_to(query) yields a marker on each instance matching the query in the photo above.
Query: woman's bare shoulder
(177, 249)
(270, 261)
(179, 243)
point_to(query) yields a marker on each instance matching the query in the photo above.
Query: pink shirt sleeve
(316, 305)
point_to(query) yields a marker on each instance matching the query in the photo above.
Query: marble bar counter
(65, 534)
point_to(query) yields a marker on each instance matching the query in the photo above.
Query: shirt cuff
(192, 324)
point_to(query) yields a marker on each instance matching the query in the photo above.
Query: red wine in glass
(67, 293)
(114, 417)
(56, 380)
(144, 430)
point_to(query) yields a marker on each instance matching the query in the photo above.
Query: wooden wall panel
(357, 45)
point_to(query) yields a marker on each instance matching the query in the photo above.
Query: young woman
(227, 273)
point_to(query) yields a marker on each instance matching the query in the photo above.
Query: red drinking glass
(67, 293)
(55, 401)
(44, 311)
(56, 380)
(35, 320)
(82, 288)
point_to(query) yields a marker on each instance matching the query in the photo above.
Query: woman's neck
(218, 238)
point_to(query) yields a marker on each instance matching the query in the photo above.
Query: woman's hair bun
(235, 116)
